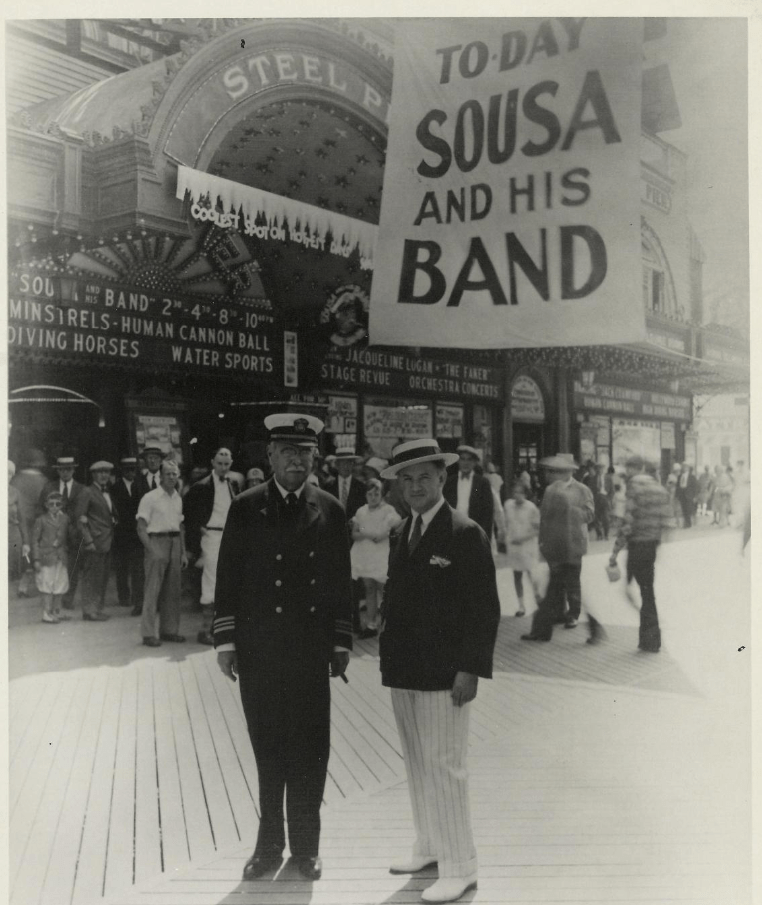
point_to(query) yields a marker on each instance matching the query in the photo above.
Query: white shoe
(413, 864)
(448, 889)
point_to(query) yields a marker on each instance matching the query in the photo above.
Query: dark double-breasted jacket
(481, 505)
(126, 502)
(441, 609)
(283, 576)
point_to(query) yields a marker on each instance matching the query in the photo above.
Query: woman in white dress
(522, 526)
(371, 527)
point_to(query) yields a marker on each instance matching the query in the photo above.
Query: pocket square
(439, 561)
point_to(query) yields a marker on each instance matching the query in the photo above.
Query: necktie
(65, 493)
(344, 492)
(415, 535)
(291, 504)
(154, 485)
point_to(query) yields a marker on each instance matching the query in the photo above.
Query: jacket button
(278, 583)
(313, 581)
(312, 553)
(279, 556)
(278, 609)
(312, 609)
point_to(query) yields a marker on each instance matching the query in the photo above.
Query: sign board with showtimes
(105, 322)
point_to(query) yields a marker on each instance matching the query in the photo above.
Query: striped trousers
(434, 736)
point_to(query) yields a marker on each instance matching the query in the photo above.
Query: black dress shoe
(533, 638)
(205, 638)
(168, 636)
(258, 865)
(151, 642)
(310, 868)
(95, 617)
(137, 611)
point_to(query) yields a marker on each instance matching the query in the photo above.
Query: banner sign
(628, 401)
(68, 318)
(390, 370)
(511, 206)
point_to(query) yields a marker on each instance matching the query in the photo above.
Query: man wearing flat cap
(70, 491)
(567, 509)
(282, 620)
(440, 617)
(128, 551)
(95, 515)
(469, 492)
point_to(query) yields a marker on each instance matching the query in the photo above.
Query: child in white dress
(371, 527)
(522, 526)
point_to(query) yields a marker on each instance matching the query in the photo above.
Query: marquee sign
(510, 214)
(94, 319)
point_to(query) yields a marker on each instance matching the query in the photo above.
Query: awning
(277, 210)
(115, 102)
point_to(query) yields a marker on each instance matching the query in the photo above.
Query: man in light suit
(95, 515)
(469, 492)
(282, 618)
(441, 613)
(70, 491)
(205, 507)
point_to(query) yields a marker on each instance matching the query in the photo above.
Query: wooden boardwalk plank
(174, 833)
(197, 819)
(91, 858)
(231, 765)
(387, 763)
(216, 792)
(34, 828)
(32, 739)
(23, 696)
(58, 887)
(120, 851)
(148, 851)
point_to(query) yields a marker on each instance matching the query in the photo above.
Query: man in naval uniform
(282, 620)
(440, 617)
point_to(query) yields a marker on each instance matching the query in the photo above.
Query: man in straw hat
(128, 550)
(441, 612)
(348, 489)
(95, 514)
(469, 492)
(70, 490)
(567, 509)
(282, 620)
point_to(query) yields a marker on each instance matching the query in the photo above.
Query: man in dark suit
(70, 491)
(95, 515)
(151, 480)
(205, 507)
(469, 492)
(441, 613)
(128, 551)
(348, 490)
(282, 617)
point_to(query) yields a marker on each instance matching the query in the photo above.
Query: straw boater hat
(66, 462)
(153, 450)
(291, 427)
(463, 448)
(128, 462)
(346, 454)
(559, 462)
(416, 452)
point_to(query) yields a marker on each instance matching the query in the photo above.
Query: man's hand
(339, 663)
(464, 688)
(227, 660)
(90, 547)
(26, 550)
(184, 560)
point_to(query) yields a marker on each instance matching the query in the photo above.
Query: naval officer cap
(292, 427)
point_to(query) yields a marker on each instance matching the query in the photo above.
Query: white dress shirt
(465, 483)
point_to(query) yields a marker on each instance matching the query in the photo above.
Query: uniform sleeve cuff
(225, 647)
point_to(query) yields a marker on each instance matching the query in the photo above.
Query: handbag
(613, 572)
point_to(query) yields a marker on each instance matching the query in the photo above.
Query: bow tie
(223, 480)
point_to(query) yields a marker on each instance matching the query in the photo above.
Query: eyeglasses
(56, 504)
